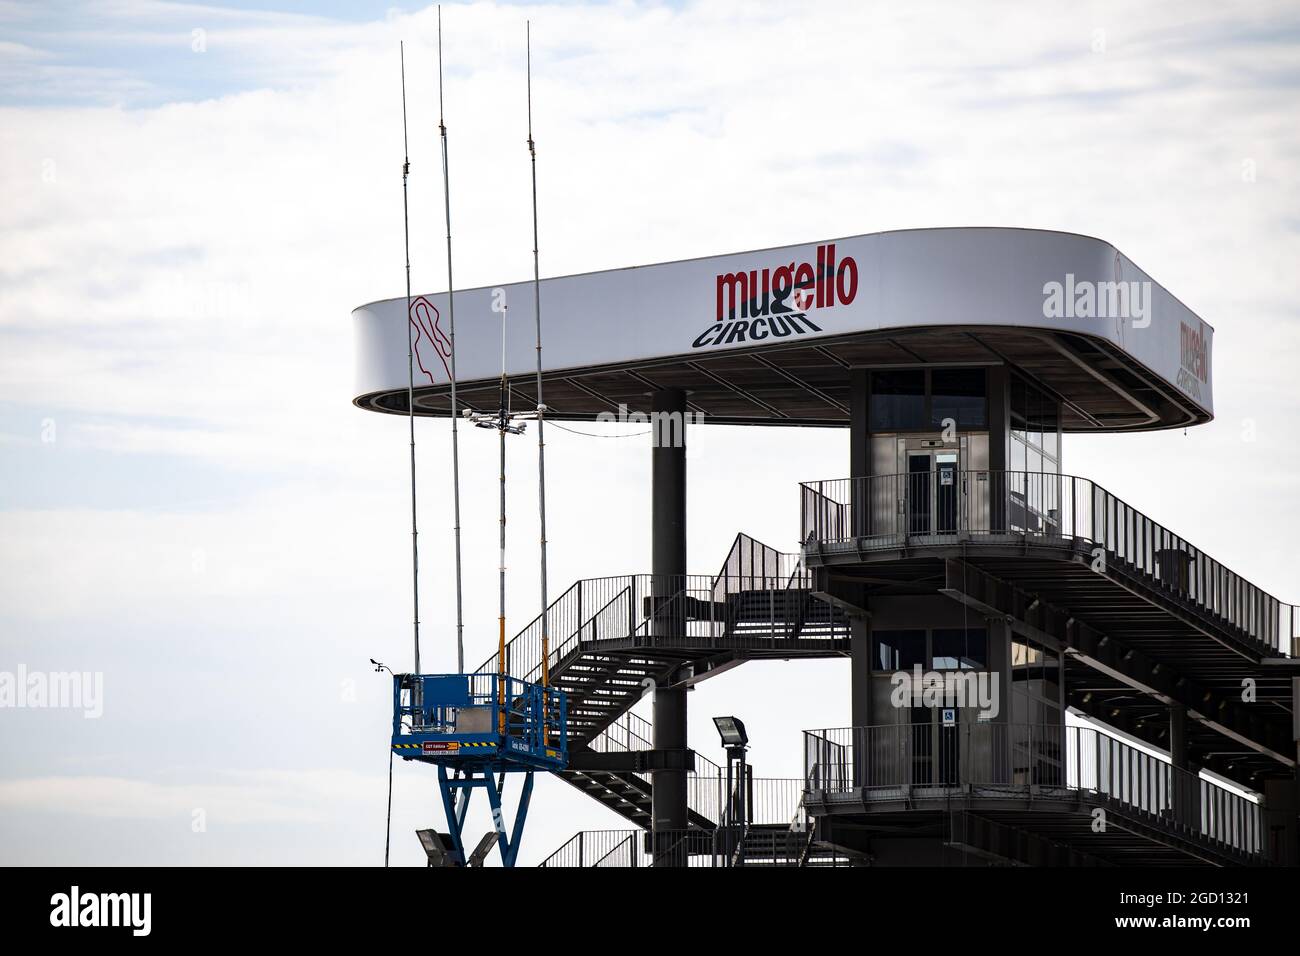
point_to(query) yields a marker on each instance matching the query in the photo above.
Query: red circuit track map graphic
(429, 337)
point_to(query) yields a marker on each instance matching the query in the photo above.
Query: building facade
(1040, 673)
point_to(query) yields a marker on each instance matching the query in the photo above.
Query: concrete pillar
(668, 569)
(860, 693)
(1186, 785)
(859, 450)
(998, 385)
(1293, 844)
(1281, 810)
(860, 627)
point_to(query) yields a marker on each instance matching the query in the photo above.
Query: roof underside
(809, 384)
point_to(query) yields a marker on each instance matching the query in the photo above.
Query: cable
(575, 431)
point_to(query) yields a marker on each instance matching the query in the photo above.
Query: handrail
(596, 845)
(675, 611)
(987, 506)
(752, 561)
(1036, 759)
(720, 848)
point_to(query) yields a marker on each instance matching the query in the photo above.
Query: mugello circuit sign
(775, 302)
(772, 298)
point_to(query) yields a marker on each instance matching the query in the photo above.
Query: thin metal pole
(388, 827)
(541, 407)
(503, 422)
(455, 413)
(410, 371)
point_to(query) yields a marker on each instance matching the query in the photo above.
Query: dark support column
(1186, 789)
(999, 664)
(999, 393)
(1281, 809)
(668, 567)
(860, 650)
(859, 450)
(860, 633)
(1293, 844)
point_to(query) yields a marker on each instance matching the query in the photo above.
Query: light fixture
(732, 731)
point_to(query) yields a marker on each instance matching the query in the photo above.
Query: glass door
(945, 492)
(920, 468)
(933, 491)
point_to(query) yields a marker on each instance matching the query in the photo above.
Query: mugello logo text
(775, 302)
(1194, 353)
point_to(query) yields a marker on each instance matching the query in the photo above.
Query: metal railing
(726, 847)
(885, 511)
(915, 760)
(675, 611)
(771, 800)
(588, 848)
(750, 562)
(436, 710)
(640, 848)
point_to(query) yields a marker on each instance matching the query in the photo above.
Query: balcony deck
(1047, 780)
(1072, 549)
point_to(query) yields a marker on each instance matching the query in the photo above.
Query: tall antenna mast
(410, 370)
(455, 414)
(504, 422)
(541, 407)
(504, 419)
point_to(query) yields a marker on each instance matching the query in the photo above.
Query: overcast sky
(195, 197)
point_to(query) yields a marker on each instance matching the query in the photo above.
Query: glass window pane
(1033, 460)
(1051, 444)
(897, 650)
(1019, 709)
(897, 399)
(959, 648)
(957, 393)
(1034, 413)
(1018, 399)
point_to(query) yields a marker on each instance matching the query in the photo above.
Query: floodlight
(732, 731)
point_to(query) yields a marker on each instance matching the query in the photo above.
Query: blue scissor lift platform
(476, 728)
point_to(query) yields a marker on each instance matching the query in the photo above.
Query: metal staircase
(628, 793)
(613, 638)
(779, 834)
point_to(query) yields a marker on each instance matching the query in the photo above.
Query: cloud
(184, 235)
(235, 798)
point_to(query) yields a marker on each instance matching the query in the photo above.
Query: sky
(195, 197)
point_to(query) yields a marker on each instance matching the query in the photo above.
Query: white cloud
(236, 798)
(175, 284)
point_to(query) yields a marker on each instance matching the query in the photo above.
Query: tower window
(897, 399)
(897, 650)
(958, 393)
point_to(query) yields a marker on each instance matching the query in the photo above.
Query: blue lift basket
(475, 726)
